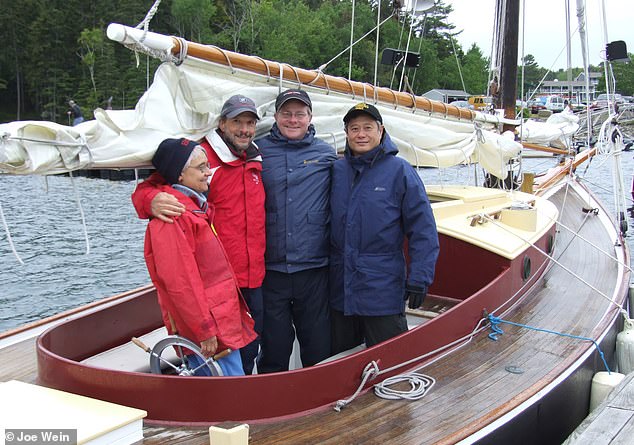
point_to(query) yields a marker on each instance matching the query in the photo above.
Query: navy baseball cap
(292, 94)
(238, 104)
(363, 108)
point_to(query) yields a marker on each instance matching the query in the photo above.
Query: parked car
(536, 104)
(602, 100)
(462, 104)
(554, 103)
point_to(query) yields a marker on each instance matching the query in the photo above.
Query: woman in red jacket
(197, 289)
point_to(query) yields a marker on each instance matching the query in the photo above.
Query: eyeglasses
(288, 115)
(203, 168)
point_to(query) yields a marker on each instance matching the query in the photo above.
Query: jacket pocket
(318, 235)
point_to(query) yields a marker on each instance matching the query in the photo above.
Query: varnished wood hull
(474, 399)
(203, 400)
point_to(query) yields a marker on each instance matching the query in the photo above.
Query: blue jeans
(230, 365)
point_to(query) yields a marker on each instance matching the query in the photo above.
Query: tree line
(58, 50)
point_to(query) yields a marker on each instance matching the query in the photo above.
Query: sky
(545, 22)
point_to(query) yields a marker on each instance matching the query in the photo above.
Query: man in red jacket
(237, 193)
(197, 290)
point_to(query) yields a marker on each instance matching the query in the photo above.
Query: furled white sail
(185, 100)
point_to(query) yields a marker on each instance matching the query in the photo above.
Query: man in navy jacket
(378, 200)
(296, 171)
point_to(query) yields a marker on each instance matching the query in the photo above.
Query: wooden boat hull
(474, 400)
(495, 285)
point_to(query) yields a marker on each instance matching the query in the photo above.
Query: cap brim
(354, 113)
(300, 99)
(239, 111)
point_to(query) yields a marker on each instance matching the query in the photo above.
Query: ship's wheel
(187, 367)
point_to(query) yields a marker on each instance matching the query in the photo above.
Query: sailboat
(530, 285)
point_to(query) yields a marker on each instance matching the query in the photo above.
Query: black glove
(415, 295)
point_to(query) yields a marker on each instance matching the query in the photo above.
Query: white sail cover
(185, 101)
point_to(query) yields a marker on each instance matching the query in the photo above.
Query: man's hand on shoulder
(165, 206)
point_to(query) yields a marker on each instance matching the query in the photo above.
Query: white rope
(419, 386)
(81, 212)
(371, 370)
(6, 229)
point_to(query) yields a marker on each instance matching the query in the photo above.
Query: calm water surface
(44, 221)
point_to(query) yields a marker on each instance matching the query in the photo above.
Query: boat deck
(477, 384)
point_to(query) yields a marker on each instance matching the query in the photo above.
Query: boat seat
(433, 306)
(131, 358)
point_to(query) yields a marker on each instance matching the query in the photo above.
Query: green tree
(192, 18)
(533, 74)
(474, 70)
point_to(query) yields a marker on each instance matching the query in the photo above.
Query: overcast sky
(546, 28)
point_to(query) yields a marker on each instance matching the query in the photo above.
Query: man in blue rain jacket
(296, 174)
(377, 200)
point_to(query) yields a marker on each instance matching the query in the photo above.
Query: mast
(507, 93)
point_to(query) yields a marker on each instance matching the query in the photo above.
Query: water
(45, 224)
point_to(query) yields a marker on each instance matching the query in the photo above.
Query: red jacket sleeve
(172, 266)
(144, 194)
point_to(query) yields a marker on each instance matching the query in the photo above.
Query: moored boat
(501, 255)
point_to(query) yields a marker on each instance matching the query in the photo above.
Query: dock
(612, 422)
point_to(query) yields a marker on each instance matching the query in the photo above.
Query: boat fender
(625, 347)
(602, 384)
(238, 435)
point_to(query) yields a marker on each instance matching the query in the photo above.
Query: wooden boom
(313, 78)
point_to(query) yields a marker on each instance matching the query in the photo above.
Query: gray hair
(195, 152)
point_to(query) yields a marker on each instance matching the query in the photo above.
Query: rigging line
(325, 65)
(400, 41)
(605, 189)
(409, 39)
(549, 70)
(490, 219)
(354, 2)
(496, 330)
(9, 238)
(420, 45)
(376, 50)
(81, 211)
(458, 63)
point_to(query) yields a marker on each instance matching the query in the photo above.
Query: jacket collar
(385, 147)
(276, 135)
(225, 153)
